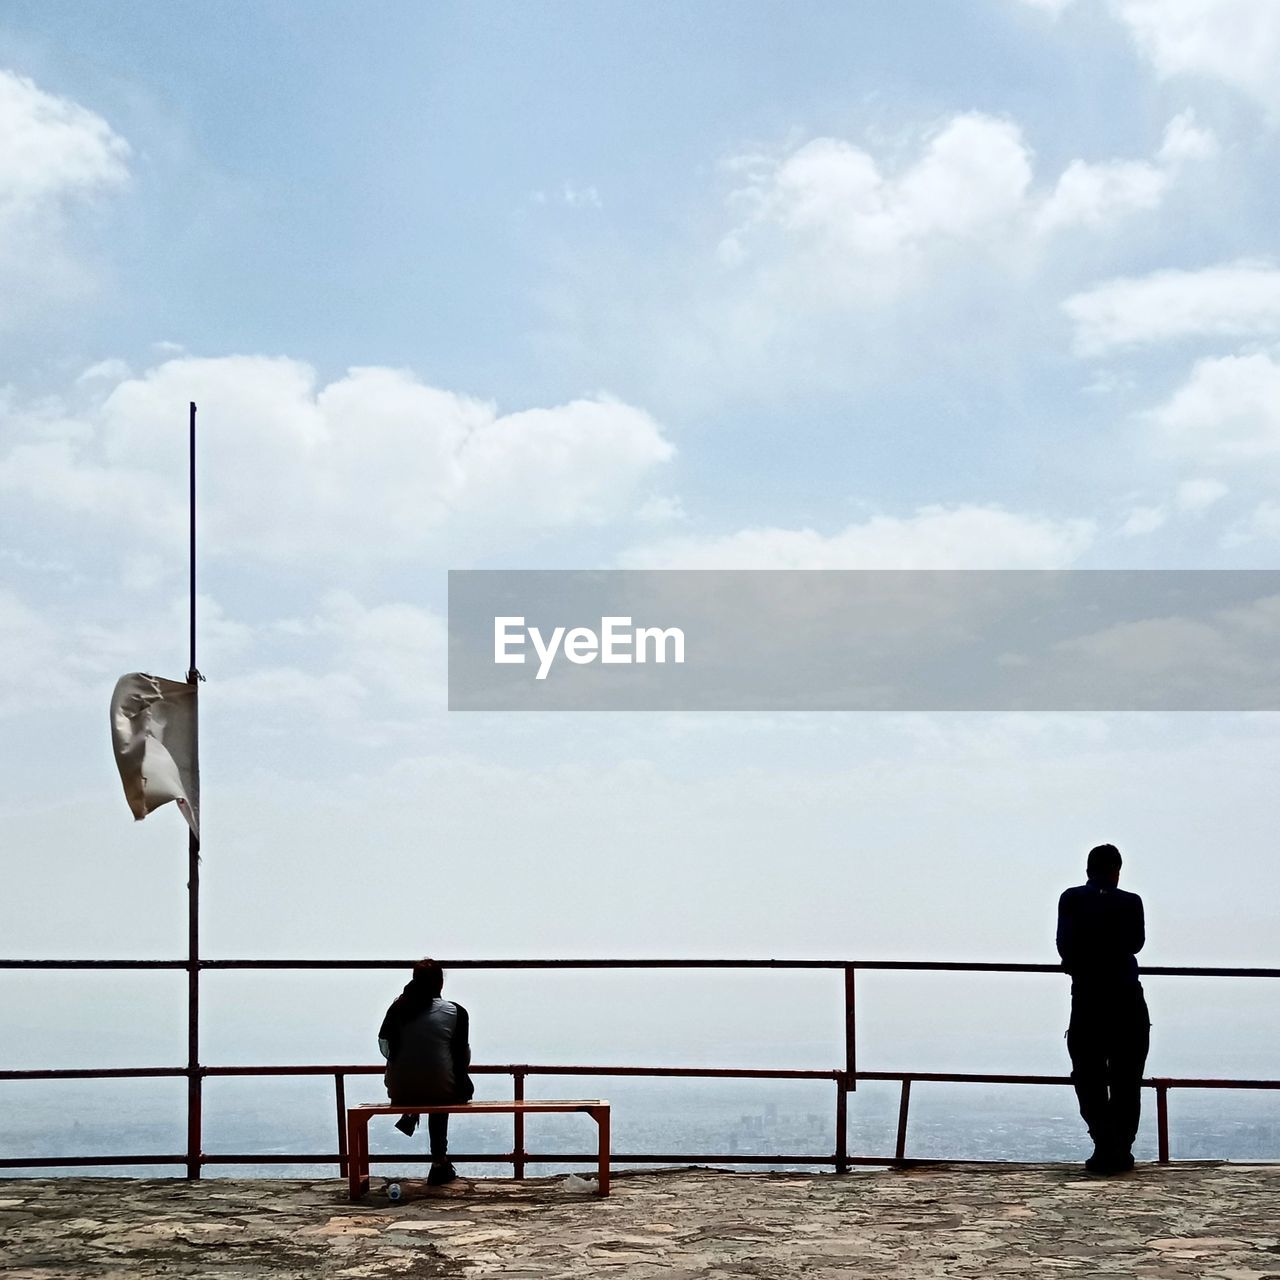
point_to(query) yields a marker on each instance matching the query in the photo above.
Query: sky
(984, 284)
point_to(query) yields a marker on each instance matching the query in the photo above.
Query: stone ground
(1217, 1221)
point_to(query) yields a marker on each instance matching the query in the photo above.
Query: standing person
(1100, 932)
(426, 1041)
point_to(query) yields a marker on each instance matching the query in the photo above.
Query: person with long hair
(426, 1041)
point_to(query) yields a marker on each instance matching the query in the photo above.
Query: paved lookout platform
(1219, 1221)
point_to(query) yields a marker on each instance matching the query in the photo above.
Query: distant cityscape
(733, 1118)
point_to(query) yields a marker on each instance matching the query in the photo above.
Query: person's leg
(438, 1131)
(1128, 1058)
(1089, 1074)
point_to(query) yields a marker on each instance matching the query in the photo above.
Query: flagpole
(194, 1081)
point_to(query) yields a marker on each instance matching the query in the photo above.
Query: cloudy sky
(983, 284)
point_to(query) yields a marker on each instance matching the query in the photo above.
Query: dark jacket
(1100, 931)
(428, 1048)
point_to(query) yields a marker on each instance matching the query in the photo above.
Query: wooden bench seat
(358, 1118)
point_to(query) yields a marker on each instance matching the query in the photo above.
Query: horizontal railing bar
(556, 1157)
(963, 1077)
(94, 964)
(551, 1069)
(561, 1069)
(918, 966)
(1213, 1084)
(76, 1162)
(92, 1073)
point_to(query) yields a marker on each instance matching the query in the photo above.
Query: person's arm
(1138, 927)
(1066, 937)
(460, 1047)
(388, 1036)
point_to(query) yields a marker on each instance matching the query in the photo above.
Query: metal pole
(517, 1125)
(194, 1081)
(842, 1127)
(1162, 1121)
(850, 1027)
(340, 1097)
(900, 1150)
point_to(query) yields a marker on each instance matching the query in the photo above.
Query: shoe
(408, 1125)
(1105, 1163)
(440, 1174)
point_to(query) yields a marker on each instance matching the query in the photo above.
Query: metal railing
(844, 1078)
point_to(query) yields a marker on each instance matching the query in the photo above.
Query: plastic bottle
(394, 1193)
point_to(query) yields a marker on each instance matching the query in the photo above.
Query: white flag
(154, 736)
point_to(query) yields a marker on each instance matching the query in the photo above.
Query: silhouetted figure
(426, 1042)
(1100, 932)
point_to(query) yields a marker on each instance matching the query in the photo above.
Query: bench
(358, 1118)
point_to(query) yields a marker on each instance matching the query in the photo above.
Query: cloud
(1198, 495)
(397, 649)
(935, 537)
(1262, 525)
(1095, 195)
(1234, 299)
(27, 641)
(833, 214)
(374, 464)
(1234, 41)
(1226, 413)
(1142, 521)
(55, 156)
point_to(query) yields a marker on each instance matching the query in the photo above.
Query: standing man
(426, 1042)
(1100, 932)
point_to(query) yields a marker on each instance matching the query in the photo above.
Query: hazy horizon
(651, 286)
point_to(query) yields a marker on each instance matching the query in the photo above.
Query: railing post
(194, 1079)
(340, 1097)
(842, 1124)
(900, 1150)
(850, 1028)
(1162, 1121)
(517, 1126)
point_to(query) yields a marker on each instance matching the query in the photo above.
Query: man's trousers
(1108, 1039)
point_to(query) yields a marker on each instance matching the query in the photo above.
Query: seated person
(426, 1042)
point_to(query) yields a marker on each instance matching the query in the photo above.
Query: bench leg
(357, 1154)
(601, 1117)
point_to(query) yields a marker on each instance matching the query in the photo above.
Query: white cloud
(52, 149)
(1227, 412)
(372, 464)
(277, 698)
(834, 215)
(935, 537)
(1235, 41)
(1095, 195)
(1261, 525)
(397, 648)
(54, 155)
(1198, 495)
(832, 199)
(1231, 300)
(29, 678)
(1265, 522)
(1142, 521)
